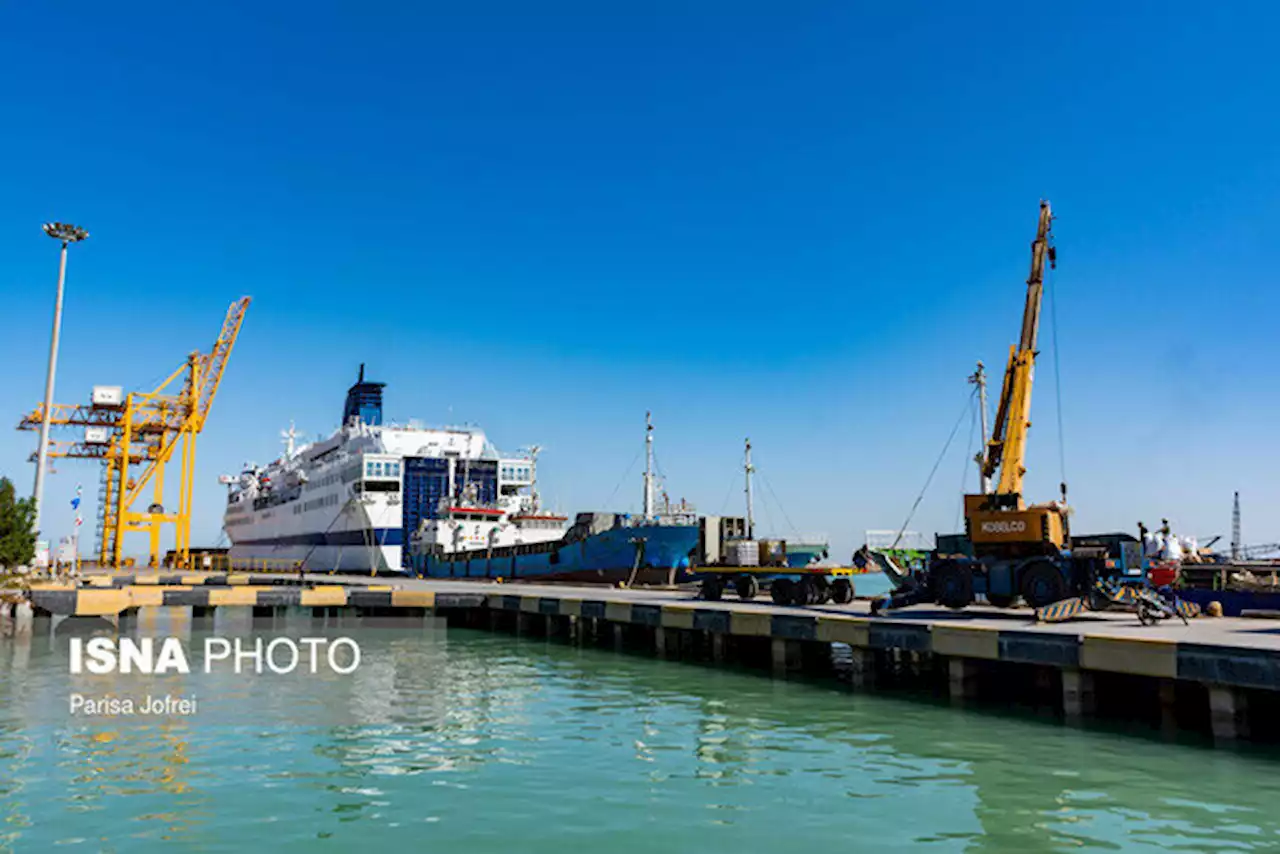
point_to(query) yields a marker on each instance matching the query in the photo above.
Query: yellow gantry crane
(135, 436)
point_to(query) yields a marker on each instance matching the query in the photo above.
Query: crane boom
(213, 363)
(1007, 448)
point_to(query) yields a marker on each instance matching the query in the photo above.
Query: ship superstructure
(344, 503)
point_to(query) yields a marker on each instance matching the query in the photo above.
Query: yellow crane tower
(135, 436)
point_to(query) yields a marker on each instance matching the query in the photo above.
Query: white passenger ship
(344, 503)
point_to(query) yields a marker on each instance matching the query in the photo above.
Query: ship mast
(748, 469)
(289, 436)
(648, 466)
(979, 379)
(533, 476)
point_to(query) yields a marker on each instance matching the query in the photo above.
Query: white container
(108, 395)
(96, 435)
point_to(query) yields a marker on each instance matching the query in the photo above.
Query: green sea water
(470, 742)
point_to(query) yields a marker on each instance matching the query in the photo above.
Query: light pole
(68, 234)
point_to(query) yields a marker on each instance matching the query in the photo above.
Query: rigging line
(724, 505)
(964, 472)
(624, 478)
(781, 509)
(934, 470)
(1057, 378)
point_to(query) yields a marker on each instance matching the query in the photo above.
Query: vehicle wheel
(842, 591)
(803, 592)
(747, 587)
(780, 591)
(821, 590)
(1042, 584)
(1098, 600)
(711, 589)
(953, 585)
(1001, 600)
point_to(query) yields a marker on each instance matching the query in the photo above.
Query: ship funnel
(364, 402)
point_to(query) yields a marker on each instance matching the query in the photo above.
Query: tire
(712, 589)
(747, 587)
(842, 591)
(804, 593)
(821, 589)
(1001, 600)
(780, 591)
(1042, 584)
(953, 585)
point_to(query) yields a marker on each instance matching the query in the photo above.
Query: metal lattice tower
(1235, 529)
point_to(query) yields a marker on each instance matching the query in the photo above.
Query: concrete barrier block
(677, 617)
(842, 630)
(233, 596)
(413, 599)
(1138, 656)
(146, 597)
(751, 624)
(324, 596)
(98, 603)
(967, 642)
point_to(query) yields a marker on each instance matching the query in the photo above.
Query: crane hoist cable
(1057, 380)
(954, 428)
(966, 459)
(790, 525)
(625, 475)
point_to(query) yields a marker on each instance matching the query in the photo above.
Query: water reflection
(489, 743)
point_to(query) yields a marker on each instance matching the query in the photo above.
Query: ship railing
(264, 564)
(808, 538)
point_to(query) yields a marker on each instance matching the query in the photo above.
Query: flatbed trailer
(810, 585)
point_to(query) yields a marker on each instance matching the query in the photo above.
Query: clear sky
(802, 222)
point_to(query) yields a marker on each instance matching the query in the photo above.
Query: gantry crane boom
(1007, 448)
(213, 363)
(144, 431)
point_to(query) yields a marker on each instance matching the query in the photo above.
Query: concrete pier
(1216, 677)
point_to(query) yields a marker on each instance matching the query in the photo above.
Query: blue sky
(801, 222)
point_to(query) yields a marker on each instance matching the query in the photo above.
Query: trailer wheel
(842, 591)
(780, 591)
(953, 585)
(747, 587)
(711, 589)
(1001, 600)
(805, 592)
(821, 590)
(1042, 584)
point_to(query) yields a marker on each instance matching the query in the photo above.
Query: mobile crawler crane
(1010, 548)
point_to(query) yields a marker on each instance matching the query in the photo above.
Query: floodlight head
(66, 232)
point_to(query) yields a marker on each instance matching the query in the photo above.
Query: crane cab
(1004, 523)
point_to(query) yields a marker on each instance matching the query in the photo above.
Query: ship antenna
(361, 377)
(648, 466)
(748, 469)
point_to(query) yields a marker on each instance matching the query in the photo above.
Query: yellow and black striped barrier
(106, 601)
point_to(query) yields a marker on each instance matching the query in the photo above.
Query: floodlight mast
(67, 234)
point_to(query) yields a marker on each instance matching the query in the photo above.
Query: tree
(17, 516)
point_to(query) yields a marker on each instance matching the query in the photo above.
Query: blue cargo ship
(600, 547)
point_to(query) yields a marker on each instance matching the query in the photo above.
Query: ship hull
(802, 554)
(603, 558)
